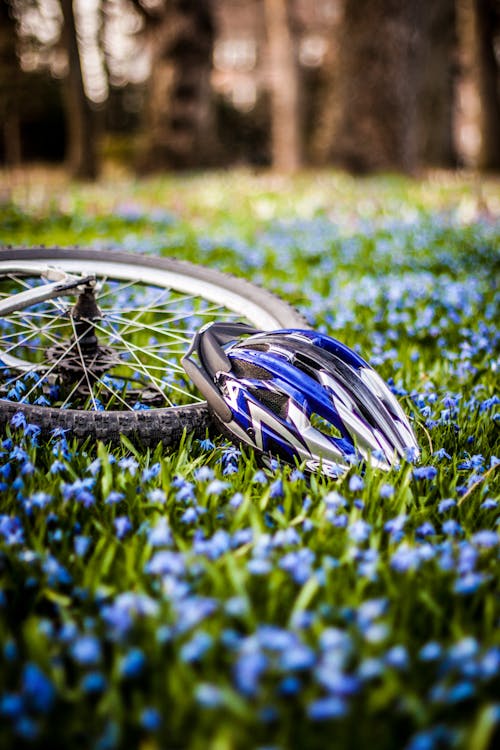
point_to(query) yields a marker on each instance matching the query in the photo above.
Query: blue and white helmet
(298, 395)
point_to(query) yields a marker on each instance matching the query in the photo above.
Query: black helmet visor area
(312, 360)
(207, 347)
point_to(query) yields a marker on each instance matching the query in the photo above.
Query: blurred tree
(80, 118)
(437, 74)
(286, 126)
(486, 28)
(179, 128)
(377, 85)
(9, 85)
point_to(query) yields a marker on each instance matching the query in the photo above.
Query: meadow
(189, 599)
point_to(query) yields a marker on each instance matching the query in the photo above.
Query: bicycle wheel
(130, 382)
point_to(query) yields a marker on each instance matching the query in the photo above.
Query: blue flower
(122, 526)
(451, 527)
(290, 685)
(441, 454)
(150, 719)
(395, 526)
(276, 489)
(297, 657)
(397, 657)
(95, 467)
(468, 583)
(185, 492)
(258, 567)
(191, 515)
(208, 696)
(55, 572)
(370, 669)
(27, 728)
(11, 530)
(204, 474)
(489, 504)
(10, 651)
(151, 472)
(217, 487)
(37, 689)
(156, 496)
(18, 420)
(132, 664)
(166, 562)
(424, 740)
(485, 538)
(86, 650)
(248, 670)
(334, 501)
(93, 683)
(446, 504)
(206, 445)
(425, 472)
(324, 709)
(286, 537)
(192, 610)
(463, 649)
(11, 705)
(119, 614)
(236, 500)
(489, 665)
(405, 558)
(370, 610)
(359, 531)
(333, 679)
(40, 499)
(194, 649)
(129, 464)
(460, 692)
(356, 484)
(431, 651)
(160, 534)
(298, 564)
(82, 544)
(412, 454)
(216, 546)
(386, 491)
(425, 529)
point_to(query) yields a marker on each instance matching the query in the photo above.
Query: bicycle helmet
(298, 395)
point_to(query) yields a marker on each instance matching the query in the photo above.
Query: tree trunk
(379, 47)
(436, 89)
(284, 82)
(80, 119)
(486, 27)
(179, 131)
(10, 86)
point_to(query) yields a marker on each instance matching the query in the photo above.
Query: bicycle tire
(166, 424)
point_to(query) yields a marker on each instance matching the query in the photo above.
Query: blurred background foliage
(154, 85)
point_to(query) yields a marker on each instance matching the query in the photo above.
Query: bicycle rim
(150, 308)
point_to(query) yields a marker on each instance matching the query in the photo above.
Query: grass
(180, 599)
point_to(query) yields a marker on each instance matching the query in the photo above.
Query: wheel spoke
(145, 370)
(82, 360)
(149, 315)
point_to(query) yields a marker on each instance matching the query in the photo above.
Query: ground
(189, 599)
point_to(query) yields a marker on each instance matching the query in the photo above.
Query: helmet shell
(303, 396)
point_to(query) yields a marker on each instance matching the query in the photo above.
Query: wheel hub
(73, 363)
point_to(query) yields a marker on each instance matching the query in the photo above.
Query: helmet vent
(257, 347)
(248, 370)
(306, 364)
(276, 402)
(324, 426)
